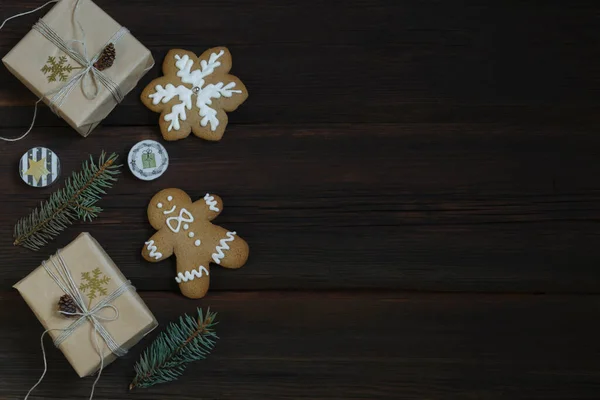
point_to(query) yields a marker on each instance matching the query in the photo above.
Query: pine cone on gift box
(66, 304)
(107, 58)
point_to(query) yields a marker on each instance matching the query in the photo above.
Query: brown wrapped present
(105, 292)
(82, 83)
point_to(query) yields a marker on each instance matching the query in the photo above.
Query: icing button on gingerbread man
(184, 229)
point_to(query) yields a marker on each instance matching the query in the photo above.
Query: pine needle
(75, 201)
(188, 340)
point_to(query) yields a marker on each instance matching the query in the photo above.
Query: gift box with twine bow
(80, 62)
(106, 316)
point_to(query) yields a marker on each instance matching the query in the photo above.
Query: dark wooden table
(418, 182)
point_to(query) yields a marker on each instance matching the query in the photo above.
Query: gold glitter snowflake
(57, 70)
(94, 284)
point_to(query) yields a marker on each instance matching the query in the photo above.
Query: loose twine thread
(61, 274)
(88, 76)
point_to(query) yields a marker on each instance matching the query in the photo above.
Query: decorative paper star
(37, 169)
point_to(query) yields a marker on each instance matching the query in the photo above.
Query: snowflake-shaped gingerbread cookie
(194, 94)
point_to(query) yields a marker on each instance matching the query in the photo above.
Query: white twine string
(27, 12)
(88, 76)
(30, 126)
(61, 274)
(37, 102)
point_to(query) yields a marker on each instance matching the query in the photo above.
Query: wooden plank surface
(417, 180)
(473, 207)
(348, 345)
(366, 61)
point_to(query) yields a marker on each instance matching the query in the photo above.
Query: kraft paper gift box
(27, 60)
(96, 276)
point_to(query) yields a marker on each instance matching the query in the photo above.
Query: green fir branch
(166, 358)
(75, 201)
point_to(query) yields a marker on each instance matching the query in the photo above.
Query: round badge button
(39, 167)
(148, 160)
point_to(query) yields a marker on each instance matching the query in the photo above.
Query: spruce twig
(190, 339)
(75, 201)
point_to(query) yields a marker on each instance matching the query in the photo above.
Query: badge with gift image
(148, 160)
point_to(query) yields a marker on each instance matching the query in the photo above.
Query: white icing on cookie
(191, 234)
(211, 202)
(204, 93)
(186, 227)
(218, 255)
(203, 101)
(177, 113)
(153, 250)
(170, 198)
(170, 211)
(174, 223)
(159, 205)
(191, 275)
(197, 242)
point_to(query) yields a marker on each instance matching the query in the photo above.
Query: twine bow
(60, 273)
(89, 76)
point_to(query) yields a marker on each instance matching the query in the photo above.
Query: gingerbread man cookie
(194, 94)
(184, 229)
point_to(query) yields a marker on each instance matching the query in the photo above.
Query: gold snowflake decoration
(94, 284)
(57, 70)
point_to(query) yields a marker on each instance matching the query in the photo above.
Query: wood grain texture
(365, 61)
(473, 207)
(347, 346)
(407, 174)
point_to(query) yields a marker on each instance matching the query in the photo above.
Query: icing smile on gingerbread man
(184, 229)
